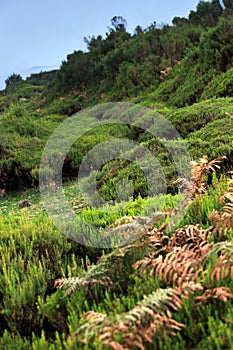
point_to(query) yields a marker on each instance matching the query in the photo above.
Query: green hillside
(167, 288)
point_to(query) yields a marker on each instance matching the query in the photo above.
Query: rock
(25, 203)
(2, 192)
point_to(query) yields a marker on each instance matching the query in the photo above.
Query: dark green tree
(207, 13)
(74, 72)
(119, 23)
(93, 42)
(179, 21)
(228, 4)
(13, 80)
(138, 30)
(217, 46)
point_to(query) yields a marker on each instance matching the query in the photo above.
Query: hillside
(161, 68)
(165, 94)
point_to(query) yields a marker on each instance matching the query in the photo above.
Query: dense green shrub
(65, 106)
(213, 140)
(193, 118)
(220, 86)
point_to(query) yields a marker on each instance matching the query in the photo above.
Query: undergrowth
(166, 290)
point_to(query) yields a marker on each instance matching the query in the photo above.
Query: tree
(216, 9)
(138, 30)
(207, 13)
(93, 42)
(179, 21)
(119, 23)
(228, 4)
(13, 80)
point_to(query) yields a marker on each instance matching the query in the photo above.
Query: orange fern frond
(198, 185)
(178, 267)
(222, 268)
(151, 315)
(220, 293)
(223, 221)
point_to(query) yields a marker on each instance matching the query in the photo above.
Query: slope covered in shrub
(171, 287)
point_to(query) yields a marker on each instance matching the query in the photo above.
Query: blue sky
(38, 35)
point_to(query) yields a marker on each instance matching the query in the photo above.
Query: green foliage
(203, 62)
(42, 78)
(207, 13)
(21, 131)
(122, 63)
(12, 81)
(193, 118)
(221, 86)
(72, 72)
(216, 45)
(228, 4)
(28, 266)
(101, 298)
(13, 342)
(184, 85)
(214, 140)
(65, 106)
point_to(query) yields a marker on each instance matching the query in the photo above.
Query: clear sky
(37, 35)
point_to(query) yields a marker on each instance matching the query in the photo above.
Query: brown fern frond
(152, 314)
(197, 184)
(193, 235)
(222, 268)
(223, 222)
(228, 207)
(179, 266)
(214, 218)
(179, 258)
(136, 327)
(220, 293)
(91, 322)
(156, 237)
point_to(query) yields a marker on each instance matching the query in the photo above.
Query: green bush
(220, 86)
(214, 140)
(193, 118)
(10, 341)
(65, 106)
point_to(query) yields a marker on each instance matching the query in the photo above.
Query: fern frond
(220, 293)
(223, 221)
(97, 274)
(223, 248)
(72, 284)
(228, 207)
(90, 324)
(222, 268)
(185, 251)
(198, 185)
(176, 268)
(141, 323)
(193, 235)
